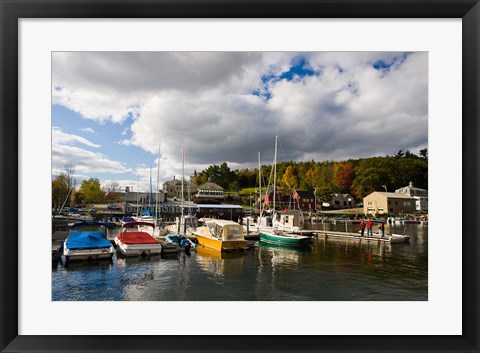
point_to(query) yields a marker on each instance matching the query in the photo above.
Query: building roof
(394, 195)
(210, 186)
(303, 193)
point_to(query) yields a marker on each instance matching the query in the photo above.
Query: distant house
(173, 189)
(281, 201)
(342, 201)
(209, 193)
(304, 200)
(420, 195)
(390, 203)
(136, 202)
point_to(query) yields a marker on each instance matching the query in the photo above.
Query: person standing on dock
(362, 227)
(382, 229)
(369, 227)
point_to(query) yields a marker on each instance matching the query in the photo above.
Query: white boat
(132, 240)
(87, 241)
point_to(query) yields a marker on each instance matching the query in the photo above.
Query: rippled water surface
(331, 269)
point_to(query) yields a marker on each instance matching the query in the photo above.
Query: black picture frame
(12, 11)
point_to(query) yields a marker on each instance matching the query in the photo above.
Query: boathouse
(209, 193)
(420, 195)
(390, 203)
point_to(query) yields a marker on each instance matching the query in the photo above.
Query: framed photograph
(233, 176)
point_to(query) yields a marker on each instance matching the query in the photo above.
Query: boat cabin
(224, 230)
(290, 218)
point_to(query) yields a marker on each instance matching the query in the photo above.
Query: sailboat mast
(158, 185)
(183, 176)
(138, 190)
(275, 175)
(260, 184)
(150, 196)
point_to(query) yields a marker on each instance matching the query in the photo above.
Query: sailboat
(178, 232)
(276, 235)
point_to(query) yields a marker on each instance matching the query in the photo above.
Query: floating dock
(388, 238)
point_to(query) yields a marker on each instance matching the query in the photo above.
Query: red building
(304, 200)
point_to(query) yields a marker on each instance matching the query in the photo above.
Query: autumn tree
(290, 179)
(344, 173)
(59, 191)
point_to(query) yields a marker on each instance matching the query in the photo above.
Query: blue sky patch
(300, 68)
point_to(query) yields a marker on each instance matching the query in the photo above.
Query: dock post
(248, 226)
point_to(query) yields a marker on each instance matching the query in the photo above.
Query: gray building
(420, 195)
(136, 202)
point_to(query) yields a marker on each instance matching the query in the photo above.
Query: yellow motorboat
(220, 235)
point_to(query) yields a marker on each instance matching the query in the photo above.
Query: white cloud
(83, 161)
(88, 129)
(60, 137)
(206, 100)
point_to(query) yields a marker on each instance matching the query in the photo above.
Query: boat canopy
(87, 240)
(136, 237)
(135, 224)
(226, 230)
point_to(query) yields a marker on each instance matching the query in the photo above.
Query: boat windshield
(232, 232)
(88, 228)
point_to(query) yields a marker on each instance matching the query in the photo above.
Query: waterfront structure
(281, 201)
(209, 193)
(420, 195)
(305, 200)
(137, 202)
(342, 201)
(173, 189)
(390, 203)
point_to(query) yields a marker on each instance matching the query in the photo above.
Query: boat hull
(131, 250)
(291, 240)
(88, 254)
(225, 245)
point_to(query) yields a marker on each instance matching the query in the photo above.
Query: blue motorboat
(88, 241)
(183, 242)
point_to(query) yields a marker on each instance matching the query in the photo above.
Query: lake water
(331, 269)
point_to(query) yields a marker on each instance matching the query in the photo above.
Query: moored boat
(283, 238)
(132, 240)
(278, 234)
(221, 235)
(183, 242)
(87, 241)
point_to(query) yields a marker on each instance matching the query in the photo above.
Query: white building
(421, 196)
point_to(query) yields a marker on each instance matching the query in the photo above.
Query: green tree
(78, 198)
(92, 191)
(424, 153)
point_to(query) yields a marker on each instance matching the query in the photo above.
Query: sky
(113, 111)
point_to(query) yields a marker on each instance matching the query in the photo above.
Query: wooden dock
(388, 238)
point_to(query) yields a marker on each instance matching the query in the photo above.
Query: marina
(330, 268)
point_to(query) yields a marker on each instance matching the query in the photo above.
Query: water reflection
(329, 269)
(220, 263)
